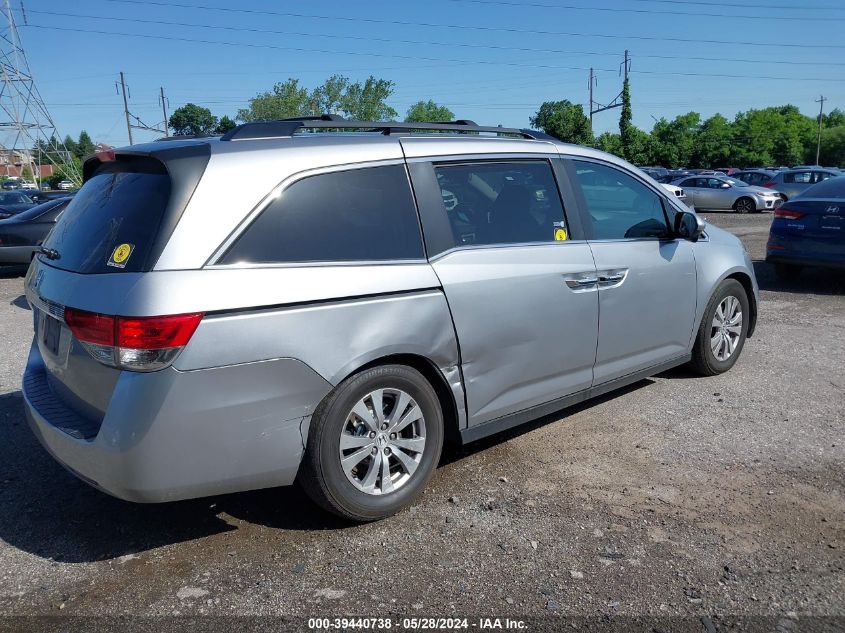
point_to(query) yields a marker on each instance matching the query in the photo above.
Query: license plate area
(51, 333)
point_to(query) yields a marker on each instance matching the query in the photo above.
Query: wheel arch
(745, 280)
(449, 393)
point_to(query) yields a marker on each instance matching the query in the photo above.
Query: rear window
(364, 214)
(112, 222)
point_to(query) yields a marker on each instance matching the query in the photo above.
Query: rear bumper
(172, 435)
(794, 259)
(16, 254)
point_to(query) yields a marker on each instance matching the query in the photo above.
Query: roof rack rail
(288, 127)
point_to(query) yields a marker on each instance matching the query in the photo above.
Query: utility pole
(164, 111)
(595, 106)
(126, 106)
(820, 101)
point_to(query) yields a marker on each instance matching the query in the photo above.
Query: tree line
(774, 136)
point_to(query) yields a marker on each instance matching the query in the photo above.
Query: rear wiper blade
(49, 253)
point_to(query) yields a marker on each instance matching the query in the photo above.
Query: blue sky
(493, 61)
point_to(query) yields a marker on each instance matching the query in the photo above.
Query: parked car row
(23, 233)
(743, 191)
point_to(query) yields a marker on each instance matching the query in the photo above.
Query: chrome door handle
(606, 278)
(581, 282)
(611, 278)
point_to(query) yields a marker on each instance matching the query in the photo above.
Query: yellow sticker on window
(560, 234)
(120, 255)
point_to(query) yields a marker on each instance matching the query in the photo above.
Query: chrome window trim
(485, 247)
(317, 264)
(250, 217)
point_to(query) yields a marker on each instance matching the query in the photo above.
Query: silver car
(722, 193)
(791, 182)
(368, 296)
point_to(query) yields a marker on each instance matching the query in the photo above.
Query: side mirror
(725, 185)
(688, 226)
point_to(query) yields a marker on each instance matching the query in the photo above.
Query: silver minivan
(376, 289)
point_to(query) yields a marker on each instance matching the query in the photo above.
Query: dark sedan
(13, 202)
(809, 230)
(21, 234)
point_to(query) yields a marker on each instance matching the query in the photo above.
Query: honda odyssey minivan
(376, 289)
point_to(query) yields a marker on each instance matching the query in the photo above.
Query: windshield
(14, 198)
(736, 183)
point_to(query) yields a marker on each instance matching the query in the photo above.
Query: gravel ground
(699, 498)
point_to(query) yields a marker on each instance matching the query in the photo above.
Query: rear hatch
(819, 223)
(111, 233)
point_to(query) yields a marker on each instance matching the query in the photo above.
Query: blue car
(809, 230)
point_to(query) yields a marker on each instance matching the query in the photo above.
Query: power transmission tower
(820, 101)
(27, 130)
(625, 67)
(122, 88)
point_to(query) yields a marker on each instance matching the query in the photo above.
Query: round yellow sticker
(121, 253)
(560, 235)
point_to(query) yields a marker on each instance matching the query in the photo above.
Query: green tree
(834, 118)
(84, 146)
(70, 145)
(626, 127)
(328, 98)
(26, 173)
(368, 101)
(713, 143)
(428, 111)
(610, 143)
(564, 120)
(224, 125)
(286, 100)
(833, 146)
(192, 119)
(673, 142)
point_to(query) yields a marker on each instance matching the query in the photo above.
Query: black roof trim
(288, 127)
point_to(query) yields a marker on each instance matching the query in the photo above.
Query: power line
(745, 5)
(418, 57)
(570, 7)
(493, 29)
(432, 43)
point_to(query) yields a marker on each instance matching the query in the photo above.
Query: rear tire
(723, 329)
(787, 272)
(356, 421)
(745, 205)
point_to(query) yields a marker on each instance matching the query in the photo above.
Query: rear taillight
(769, 184)
(134, 343)
(788, 214)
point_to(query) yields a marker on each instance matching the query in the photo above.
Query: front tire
(373, 443)
(721, 335)
(745, 205)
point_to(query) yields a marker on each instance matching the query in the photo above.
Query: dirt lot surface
(707, 498)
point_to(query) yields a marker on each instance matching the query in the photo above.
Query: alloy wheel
(726, 328)
(382, 441)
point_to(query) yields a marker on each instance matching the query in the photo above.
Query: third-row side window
(356, 215)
